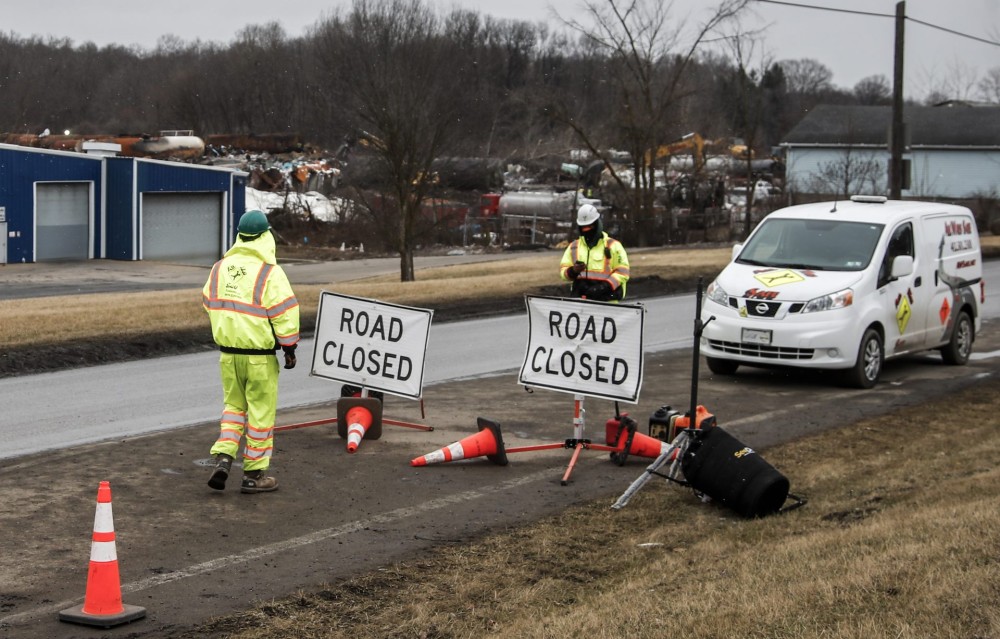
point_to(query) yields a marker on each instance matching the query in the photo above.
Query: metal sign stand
(364, 395)
(577, 443)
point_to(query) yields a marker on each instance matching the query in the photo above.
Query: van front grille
(765, 352)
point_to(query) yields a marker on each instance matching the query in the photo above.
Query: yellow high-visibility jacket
(249, 300)
(607, 261)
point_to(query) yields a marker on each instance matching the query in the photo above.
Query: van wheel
(957, 351)
(721, 366)
(868, 367)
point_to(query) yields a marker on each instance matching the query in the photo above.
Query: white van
(845, 285)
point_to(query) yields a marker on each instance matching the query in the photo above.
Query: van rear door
(952, 242)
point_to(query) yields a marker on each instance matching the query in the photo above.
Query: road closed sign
(583, 347)
(371, 344)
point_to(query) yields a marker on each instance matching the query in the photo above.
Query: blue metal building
(62, 205)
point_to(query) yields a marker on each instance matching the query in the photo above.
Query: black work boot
(256, 481)
(220, 473)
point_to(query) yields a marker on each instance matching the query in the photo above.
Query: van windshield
(822, 245)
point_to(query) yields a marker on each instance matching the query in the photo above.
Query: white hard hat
(587, 215)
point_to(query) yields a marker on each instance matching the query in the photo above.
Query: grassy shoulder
(27, 322)
(899, 538)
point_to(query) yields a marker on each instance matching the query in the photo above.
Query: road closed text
(575, 361)
(371, 344)
(374, 361)
(582, 347)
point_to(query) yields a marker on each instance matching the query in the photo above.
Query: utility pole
(897, 134)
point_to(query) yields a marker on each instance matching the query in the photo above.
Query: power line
(963, 35)
(883, 15)
(834, 9)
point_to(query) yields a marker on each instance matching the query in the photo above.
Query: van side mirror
(902, 265)
(736, 251)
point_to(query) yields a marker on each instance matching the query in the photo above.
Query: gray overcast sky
(852, 46)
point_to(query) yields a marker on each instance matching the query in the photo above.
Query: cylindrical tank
(541, 204)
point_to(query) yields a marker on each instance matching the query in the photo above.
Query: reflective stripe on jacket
(249, 300)
(610, 266)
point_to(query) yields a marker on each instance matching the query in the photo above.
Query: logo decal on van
(903, 314)
(777, 278)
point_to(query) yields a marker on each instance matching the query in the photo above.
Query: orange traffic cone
(359, 418)
(103, 605)
(487, 442)
(358, 421)
(643, 445)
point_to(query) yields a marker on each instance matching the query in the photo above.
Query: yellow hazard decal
(777, 278)
(903, 314)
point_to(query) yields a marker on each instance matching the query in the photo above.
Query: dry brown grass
(900, 538)
(77, 317)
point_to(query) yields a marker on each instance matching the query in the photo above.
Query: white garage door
(182, 227)
(62, 221)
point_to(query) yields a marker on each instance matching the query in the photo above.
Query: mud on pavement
(188, 553)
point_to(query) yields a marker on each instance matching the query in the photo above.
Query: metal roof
(943, 126)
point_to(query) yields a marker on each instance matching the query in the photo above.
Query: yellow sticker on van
(903, 314)
(777, 278)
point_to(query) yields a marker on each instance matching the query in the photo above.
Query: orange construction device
(102, 605)
(577, 443)
(488, 442)
(348, 400)
(359, 418)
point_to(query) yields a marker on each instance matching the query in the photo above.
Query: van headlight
(840, 299)
(717, 294)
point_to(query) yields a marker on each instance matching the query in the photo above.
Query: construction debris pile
(699, 183)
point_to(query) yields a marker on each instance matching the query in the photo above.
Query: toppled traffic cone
(487, 442)
(359, 418)
(623, 433)
(643, 445)
(102, 605)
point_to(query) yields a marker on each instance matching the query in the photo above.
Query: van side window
(901, 243)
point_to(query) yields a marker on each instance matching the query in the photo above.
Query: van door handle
(917, 281)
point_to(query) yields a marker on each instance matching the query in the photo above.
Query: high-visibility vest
(606, 261)
(249, 300)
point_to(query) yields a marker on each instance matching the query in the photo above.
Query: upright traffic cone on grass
(102, 605)
(487, 442)
(359, 418)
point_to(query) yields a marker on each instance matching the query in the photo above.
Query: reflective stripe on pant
(250, 394)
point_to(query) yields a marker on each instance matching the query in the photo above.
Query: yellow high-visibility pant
(250, 397)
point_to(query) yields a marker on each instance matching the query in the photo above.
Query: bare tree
(647, 63)
(749, 104)
(389, 59)
(873, 90)
(855, 171)
(806, 76)
(956, 82)
(989, 86)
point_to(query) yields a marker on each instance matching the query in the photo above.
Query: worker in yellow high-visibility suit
(254, 312)
(596, 264)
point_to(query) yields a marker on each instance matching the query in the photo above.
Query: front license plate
(756, 336)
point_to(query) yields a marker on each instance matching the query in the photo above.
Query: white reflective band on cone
(103, 520)
(456, 450)
(103, 551)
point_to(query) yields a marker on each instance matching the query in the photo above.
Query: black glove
(575, 270)
(600, 291)
(289, 356)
